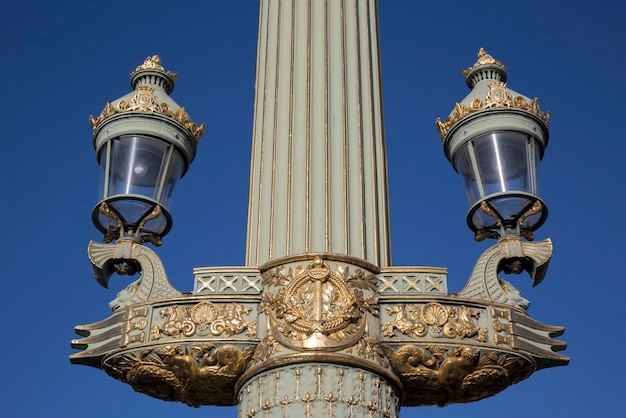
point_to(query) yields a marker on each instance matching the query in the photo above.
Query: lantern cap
(151, 84)
(486, 67)
(153, 65)
(487, 79)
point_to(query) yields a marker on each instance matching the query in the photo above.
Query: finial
(484, 58)
(145, 81)
(485, 68)
(494, 93)
(154, 63)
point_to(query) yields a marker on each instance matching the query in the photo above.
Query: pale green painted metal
(359, 379)
(318, 173)
(148, 123)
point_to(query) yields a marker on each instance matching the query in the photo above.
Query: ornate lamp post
(319, 323)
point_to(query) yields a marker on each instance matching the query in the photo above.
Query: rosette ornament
(495, 139)
(145, 142)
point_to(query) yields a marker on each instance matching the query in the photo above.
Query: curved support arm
(127, 257)
(509, 255)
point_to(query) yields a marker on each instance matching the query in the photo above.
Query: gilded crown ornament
(483, 59)
(492, 72)
(152, 85)
(154, 63)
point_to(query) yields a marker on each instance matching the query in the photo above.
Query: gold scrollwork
(265, 349)
(315, 307)
(145, 101)
(497, 97)
(202, 319)
(435, 320)
(484, 58)
(438, 375)
(370, 349)
(154, 63)
(519, 101)
(477, 104)
(199, 374)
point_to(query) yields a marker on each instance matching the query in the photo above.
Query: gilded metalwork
(483, 59)
(407, 320)
(497, 228)
(315, 307)
(434, 320)
(128, 256)
(533, 210)
(112, 233)
(154, 63)
(135, 326)
(470, 361)
(266, 349)
(439, 375)
(498, 97)
(118, 231)
(204, 319)
(318, 391)
(482, 234)
(144, 100)
(484, 282)
(458, 113)
(518, 331)
(302, 335)
(369, 349)
(196, 374)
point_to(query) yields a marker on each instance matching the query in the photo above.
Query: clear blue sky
(60, 61)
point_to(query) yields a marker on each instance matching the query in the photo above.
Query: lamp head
(495, 139)
(145, 142)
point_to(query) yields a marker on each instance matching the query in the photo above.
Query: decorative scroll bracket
(512, 255)
(128, 257)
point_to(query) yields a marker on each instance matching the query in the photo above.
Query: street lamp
(144, 143)
(318, 322)
(495, 139)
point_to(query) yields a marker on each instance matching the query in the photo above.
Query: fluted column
(318, 171)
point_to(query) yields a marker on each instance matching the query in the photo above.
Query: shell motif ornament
(435, 314)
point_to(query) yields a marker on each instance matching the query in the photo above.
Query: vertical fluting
(317, 391)
(318, 173)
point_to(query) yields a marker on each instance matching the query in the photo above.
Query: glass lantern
(144, 142)
(137, 178)
(500, 171)
(495, 139)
